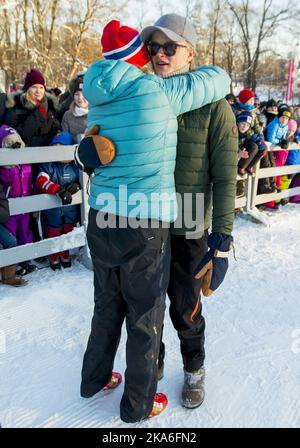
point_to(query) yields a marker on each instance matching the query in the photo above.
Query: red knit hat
(34, 77)
(124, 43)
(245, 95)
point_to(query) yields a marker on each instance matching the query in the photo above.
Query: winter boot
(55, 265)
(54, 259)
(65, 259)
(20, 270)
(66, 264)
(193, 389)
(115, 381)
(28, 267)
(9, 277)
(159, 404)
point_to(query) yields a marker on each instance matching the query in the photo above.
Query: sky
(140, 13)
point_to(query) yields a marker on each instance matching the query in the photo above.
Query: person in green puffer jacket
(206, 164)
(138, 112)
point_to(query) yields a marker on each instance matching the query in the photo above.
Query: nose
(160, 52)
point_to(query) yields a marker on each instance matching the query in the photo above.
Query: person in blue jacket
(61, 178)
(138, 112)
(252, 142)
(277, 130)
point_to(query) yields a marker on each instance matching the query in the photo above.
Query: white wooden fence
(39, 202)
(261, 173)
(77, 238)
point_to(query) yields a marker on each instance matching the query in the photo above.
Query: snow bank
(252, 343)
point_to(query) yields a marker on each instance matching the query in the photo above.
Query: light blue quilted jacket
(138, 112)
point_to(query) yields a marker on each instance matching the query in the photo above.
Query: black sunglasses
(169, 48)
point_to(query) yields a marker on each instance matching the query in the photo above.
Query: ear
(191, 54)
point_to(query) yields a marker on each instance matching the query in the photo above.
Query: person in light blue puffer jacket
(138, 113)
(276, 131)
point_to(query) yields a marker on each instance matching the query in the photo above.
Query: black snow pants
(185, 300)
(131, 275)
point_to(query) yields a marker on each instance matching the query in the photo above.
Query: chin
(162, 70)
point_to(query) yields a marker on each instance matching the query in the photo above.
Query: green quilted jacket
(206, 163)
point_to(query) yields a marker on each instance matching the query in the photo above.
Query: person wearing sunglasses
(206, 163)
(138, 112)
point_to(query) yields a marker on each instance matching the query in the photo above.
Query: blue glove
(213, 267)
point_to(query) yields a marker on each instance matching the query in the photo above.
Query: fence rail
(262, 173)
(77, 237)
(40, 202)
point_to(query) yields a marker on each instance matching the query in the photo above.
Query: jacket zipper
(21, 180)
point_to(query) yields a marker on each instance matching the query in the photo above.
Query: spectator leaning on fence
(7, 241)
(246, 104)
(293, 158)
(61, 178)
(33, 111)
(17, 182)
(295, 183)
(294, 136)
(276, 133)
(75, 119)
(253, 143)
(246, 99)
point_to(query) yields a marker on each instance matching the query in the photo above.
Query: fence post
(254, 185)
(249, 181)
(84, 209)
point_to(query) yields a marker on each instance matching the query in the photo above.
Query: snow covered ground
(252, 343)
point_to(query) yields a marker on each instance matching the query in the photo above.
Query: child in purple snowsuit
(17, 182)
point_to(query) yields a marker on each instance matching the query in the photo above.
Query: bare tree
(257, 26)
(162, 7)
(214, 27)
(55, 36)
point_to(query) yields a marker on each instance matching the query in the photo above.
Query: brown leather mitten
(206, 275)
(105, 148)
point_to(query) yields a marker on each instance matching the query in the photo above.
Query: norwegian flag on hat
(124, 43)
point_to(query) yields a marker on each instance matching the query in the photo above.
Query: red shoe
(115, 381)
(159, 404)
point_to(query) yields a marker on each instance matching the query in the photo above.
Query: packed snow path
(252, 343)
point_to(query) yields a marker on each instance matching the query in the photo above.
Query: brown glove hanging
(105, 148)
(206, 275)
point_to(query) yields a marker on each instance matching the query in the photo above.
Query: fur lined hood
(18, 99)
